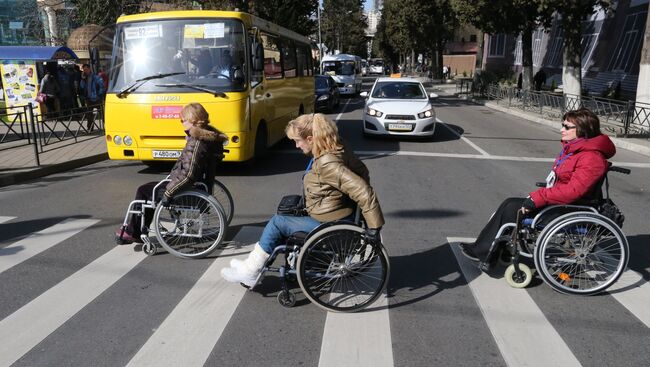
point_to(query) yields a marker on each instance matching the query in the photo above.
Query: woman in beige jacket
(334, 181)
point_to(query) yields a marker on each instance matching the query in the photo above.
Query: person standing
(91, 91)
(50, 88)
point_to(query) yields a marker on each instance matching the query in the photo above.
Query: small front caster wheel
(149, 249)
(286, 299)
(521, 279)
(119, 240)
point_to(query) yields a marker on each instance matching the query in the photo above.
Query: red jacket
(579, 167)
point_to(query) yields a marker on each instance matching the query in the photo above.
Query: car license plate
(166, 153)
(400, 127)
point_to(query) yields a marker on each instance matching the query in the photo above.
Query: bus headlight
(425, 114)
(323, 97)
(127, 140)
(117, 140)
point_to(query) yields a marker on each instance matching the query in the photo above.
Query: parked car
(398, 106)
(327, 93)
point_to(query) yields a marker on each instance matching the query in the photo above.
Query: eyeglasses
(568, 127)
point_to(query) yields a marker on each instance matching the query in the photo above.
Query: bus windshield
(206, 53)
(338, 67)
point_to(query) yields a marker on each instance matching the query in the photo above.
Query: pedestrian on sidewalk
(92, 91)
(50, 89)
(197, 163)
(334, 179)
(574, 178)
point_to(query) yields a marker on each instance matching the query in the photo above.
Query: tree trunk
(572, 73)
(440, 47)
(527, 58)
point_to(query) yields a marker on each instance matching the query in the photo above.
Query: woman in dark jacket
(197, 163)
(334, 181)
(574, 177)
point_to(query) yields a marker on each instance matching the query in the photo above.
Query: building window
(587, 44)
(538, 37)
(557, 48)
(497, 45)
(628, 50)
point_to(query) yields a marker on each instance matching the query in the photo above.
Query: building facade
(611, 49)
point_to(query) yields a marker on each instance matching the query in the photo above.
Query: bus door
(273, 102)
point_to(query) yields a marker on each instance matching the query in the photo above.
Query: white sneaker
(247, 271)
(234, 275)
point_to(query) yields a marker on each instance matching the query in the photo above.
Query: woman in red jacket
(574, 177)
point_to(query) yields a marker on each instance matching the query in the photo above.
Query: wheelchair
(191, 227)
(576, 249)
(337, 267)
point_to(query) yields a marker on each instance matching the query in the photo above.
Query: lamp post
(320, 42)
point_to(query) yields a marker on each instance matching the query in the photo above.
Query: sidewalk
(18, 163)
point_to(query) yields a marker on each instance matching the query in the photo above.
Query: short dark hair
(587, 123)
(85, 66)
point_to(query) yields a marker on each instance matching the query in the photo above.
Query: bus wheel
(261, 141)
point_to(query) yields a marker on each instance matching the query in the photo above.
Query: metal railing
(21, 126)
(622, 118)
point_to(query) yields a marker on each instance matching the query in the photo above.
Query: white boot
(249, 269)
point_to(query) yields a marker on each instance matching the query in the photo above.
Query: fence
(622, 118)
(20, 126)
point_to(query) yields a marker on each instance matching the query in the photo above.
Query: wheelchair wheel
(192, 227)
(223, 196)
(339, 271)
(581, 253)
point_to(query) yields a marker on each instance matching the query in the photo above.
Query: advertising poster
(20, 84)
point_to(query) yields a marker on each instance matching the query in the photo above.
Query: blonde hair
(324, 133)
(196, 114)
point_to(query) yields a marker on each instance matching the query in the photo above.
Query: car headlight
(349, 86)
(373, 112)
(425, 114)
(323, 97)
(127, 140)
(117, 140)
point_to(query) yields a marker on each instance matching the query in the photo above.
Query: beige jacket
(334, 183)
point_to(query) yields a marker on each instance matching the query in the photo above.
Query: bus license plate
(400, 127)
(166, 153)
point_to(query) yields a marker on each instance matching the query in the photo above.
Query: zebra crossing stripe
(633, 292)
(5, 219)
(38, 242)
(358, 339)
(189, 333)
(511, 314)
(32, 323)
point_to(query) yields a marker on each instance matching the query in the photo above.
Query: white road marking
(358, 339)
(32, 323)
(189, 333)
(38, 242)
(338, 117)
(483, 152)
(5, 219)
(633, 292)
(511, 314)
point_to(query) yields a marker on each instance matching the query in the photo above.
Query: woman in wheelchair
(574, 178)
(197, 163)
(333, 177)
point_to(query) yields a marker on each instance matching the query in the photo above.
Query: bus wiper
(201, 87)
(136, 84)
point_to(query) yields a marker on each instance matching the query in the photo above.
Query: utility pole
(320, 42)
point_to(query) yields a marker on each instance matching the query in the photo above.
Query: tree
(437, 29)
(297, 15)
(343, 26)
(104, 12)
(571, 15)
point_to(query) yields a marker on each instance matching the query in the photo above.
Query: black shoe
(468, 251)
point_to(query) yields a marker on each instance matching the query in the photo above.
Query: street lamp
(320, 42)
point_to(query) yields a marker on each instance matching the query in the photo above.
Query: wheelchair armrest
(540, 184)
(297, 239)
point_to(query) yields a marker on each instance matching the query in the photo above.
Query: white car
(398, 106)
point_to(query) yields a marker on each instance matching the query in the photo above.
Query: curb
(18, 177)
(618, 142)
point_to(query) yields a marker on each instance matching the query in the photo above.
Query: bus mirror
(238, 76)
(258, 56)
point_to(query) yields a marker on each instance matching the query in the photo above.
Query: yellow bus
(252, 77)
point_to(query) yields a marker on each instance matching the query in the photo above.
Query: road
(70, 297)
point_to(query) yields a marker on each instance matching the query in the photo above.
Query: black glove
(529, 204)
(166, 201)
(372, 235)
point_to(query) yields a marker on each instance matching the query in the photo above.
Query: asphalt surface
(438, 313)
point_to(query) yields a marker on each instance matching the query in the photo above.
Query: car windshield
(321, 83)
(376, 62)
(207, 52)
(338, 67)
(398, 90)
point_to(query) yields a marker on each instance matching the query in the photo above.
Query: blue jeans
(280, 227)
